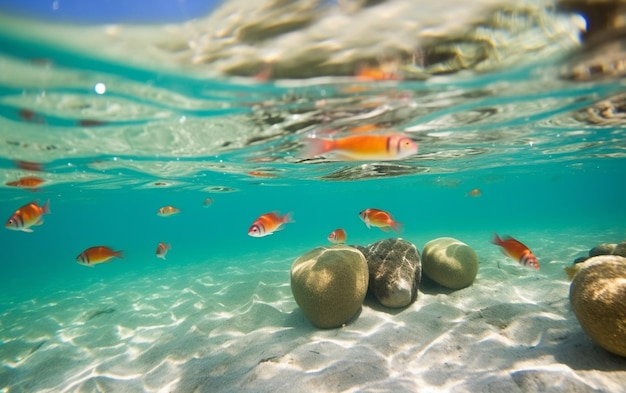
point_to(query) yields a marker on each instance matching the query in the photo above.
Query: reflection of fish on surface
(26, 182)
(262, 174)
(97, 254)
(516, 250)
(29, 165)
(379, 218)
(162, 249)
(338, 236)
(27, 216)
(394, 146)
(386, 71)
(167, 211)
(268, 223)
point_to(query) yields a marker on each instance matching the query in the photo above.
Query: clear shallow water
(547, 174)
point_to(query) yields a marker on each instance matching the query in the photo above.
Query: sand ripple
(215, 327)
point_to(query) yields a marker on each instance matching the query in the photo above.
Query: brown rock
(598, 298)
(329, 284)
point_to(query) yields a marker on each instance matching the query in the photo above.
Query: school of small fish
(266, 224)
(390, 146)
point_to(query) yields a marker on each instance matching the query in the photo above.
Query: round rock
(395, 271)
(449, 262)
(329, 284)
(598, 298)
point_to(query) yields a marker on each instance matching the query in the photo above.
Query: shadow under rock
(579, 352)
(430, 287)
(371, 302)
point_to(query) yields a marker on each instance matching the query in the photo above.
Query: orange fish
(516, 250)
(382, 73)
(365, 128)
(268, 223)
(162, 250)
(392, 146)
(338, 236)
(208, 202)
(379, 218)
(474, 193)
(167, 211)
(26, 182)
(27, 216)
(262, 174)
(98, 254)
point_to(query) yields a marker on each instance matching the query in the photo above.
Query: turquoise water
(111, 160)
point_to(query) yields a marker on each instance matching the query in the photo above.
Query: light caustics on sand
(234, 328)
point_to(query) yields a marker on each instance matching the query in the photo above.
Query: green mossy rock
(449, 262)
(598, 298)
(329, 284)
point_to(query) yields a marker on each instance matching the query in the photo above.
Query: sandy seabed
(215, 327)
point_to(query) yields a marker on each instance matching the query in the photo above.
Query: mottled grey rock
(598, 298)
(329, 284)
(395, 271)
(602, 249)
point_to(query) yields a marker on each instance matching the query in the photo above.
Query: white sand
(212, 327)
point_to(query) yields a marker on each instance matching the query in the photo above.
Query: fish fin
(397, 226)
(39, 222)
(27, 230)
(571, 272)
(496, 239)
(384, 229)
(316, 147)
(118, 254)
(46, 207)
(287, 218)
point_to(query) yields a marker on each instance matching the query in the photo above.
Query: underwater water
(114, 142)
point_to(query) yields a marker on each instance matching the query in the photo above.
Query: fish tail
(317, 146)
(287, 218)
(571, 272)
(496, 239)
(119, 254)
(397, 226)
(46, 207)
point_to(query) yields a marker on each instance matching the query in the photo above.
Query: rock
(602, 249)
(395, 271)
(620, 249)
(598, 298)
(329, 284)
(580, 260)
(449, 262)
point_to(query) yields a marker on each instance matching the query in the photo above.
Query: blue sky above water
(110, 11)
